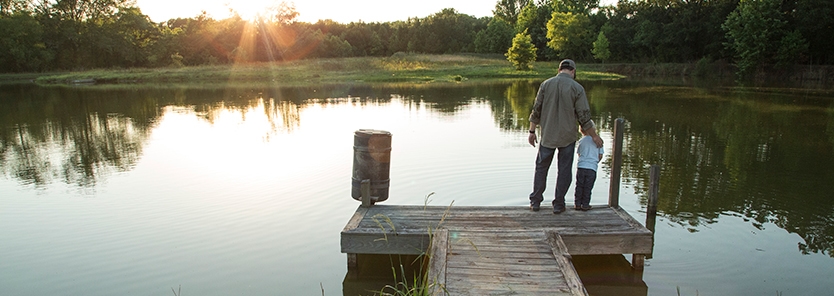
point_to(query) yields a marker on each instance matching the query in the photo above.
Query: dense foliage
(522, 53)
(84, 34)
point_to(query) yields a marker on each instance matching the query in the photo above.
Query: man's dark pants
(564, 165)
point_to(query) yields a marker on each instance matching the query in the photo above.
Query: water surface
(244, 189)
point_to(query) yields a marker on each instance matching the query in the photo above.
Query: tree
(362, 39)
(815, 20)
(532, 19)
(568, 34)
(9, 7)
(452, 31)
(619, 29)
(508, 10)
(166, 43)
(333, 46)
(496, 38)
(601, 51)
(282, 13)
(791, 47)
(21, 44)
(666, 31)
(134, 33)
(84, 10)
(575, 6)
(523, 52)
(757, 33)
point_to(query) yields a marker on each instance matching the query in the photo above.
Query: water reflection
(513, 112)
(609, 275)
(761, 155)
(80, 135)
(70, 135)
(729, 152)
(375, 273)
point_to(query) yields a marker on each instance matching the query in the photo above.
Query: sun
(250, 9)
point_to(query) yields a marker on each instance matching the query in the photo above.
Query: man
(560, 104)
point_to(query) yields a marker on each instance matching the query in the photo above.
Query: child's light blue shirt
(589, 154)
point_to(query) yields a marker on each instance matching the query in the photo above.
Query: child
(586, 172)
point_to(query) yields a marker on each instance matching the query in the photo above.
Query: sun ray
(249, 10)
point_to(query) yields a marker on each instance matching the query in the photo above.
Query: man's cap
(567, 63)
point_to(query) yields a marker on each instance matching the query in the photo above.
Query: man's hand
(597, 140)
(594, 136)
(532, 139)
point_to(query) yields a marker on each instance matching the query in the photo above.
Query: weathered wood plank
(415, 244)
(473, 263)
(437, 262)
(377, 243)
(508, 290)
(627, 218)
(357, 217)
(397, 227)
(504, 262)
(457, 273)
(603, 244)
(560, 252)
(476, 217)
(500, 283)
(598, 214)
(520, 255)
(387, 229)
(464, 211)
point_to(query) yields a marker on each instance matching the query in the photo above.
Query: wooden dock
(491, 250)
(488, 250)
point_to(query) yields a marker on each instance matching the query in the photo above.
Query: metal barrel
(372, 161)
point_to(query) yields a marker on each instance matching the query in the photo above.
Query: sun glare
(250, 9)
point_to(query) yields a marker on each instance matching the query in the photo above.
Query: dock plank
(437, 262)
(496, 250)
(488, 263)
(403, 229)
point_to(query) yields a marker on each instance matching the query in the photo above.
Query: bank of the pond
(764, 75)
(406, 68)
(398, 68)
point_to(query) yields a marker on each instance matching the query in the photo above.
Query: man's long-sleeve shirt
(561, 104)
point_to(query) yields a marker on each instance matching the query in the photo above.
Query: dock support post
(616, 164)
(651, 207)
(638, 260)
(351, 261)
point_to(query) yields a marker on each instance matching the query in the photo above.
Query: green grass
(410, 68)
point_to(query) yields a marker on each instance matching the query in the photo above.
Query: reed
(420, 284)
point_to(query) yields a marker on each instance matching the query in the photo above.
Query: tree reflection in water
(763, 156)
(730, 152)
(70, 135)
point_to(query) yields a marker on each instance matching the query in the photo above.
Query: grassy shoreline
(399, 68)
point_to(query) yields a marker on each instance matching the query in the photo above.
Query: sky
(341, 11)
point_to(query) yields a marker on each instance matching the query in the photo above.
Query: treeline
(83, 34)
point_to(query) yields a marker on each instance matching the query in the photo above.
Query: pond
(236, 189)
